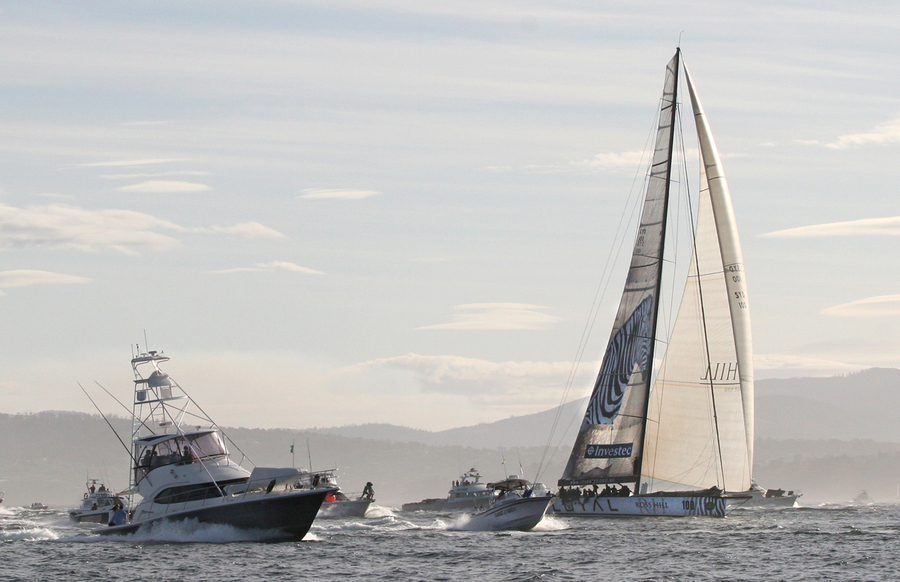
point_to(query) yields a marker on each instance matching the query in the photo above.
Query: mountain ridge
(830, 437)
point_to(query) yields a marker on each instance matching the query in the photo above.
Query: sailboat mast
(655, 323)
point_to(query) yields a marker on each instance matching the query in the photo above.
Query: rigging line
(177, 426)
(216, 426)
(107, 422)
(130, 412)
(705, 335)
(612, 259)
(654, 322)
(659, 392)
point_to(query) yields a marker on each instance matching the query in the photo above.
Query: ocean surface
(828, 542)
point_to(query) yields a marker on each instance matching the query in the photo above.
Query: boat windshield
(178, 450)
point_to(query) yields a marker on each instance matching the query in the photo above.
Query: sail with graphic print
(671, 414)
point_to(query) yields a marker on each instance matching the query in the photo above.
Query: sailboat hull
(642, 506)
(285, 515)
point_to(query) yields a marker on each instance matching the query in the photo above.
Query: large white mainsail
(691, 428)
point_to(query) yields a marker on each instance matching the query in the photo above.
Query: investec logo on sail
(608, 451)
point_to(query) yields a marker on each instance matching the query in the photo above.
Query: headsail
(695, 422)
(608, 447)
(732, 261)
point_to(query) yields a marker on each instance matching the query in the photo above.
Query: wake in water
(188, 531)
(464, 523)
(21, 526)
(388, 523)
(376, 511)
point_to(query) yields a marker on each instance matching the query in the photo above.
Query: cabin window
(177, 451)
(188, 493)
(207, 445)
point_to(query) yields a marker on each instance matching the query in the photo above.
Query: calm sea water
(816, 543)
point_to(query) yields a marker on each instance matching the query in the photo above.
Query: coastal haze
(810, 436)
(350, 212)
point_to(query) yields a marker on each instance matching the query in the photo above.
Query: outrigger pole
(107, 421)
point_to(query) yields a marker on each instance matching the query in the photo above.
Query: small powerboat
(97, 505)
(337, 504)
(514, 506)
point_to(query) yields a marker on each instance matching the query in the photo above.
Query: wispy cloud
(459, 375)
(273, 266)
(139, 162)
(886, 133)
(880, 306)
(338, 194)
(56, 225)
(498, 316)
(248, 230)
(24, 277)
(165, 187)
(613, 160)
(153, 175)
(54, 196)
(889, 226)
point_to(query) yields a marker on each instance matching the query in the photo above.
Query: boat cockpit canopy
(158, 451)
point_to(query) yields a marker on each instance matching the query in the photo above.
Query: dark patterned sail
(609, 446)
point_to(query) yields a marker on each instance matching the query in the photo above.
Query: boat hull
(642, 506)
(349, 508)
(287, 515)
(102, 516)
(519, 514)
(468, 504)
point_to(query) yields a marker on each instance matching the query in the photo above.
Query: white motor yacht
(466, 493)
(181, 468)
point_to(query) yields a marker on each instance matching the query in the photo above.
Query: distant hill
(531, 430)
(862, 405)
(831, 437)
(48, 456)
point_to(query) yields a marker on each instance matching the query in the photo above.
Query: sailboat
(672, 437)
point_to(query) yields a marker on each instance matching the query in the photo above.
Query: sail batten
(691, 425)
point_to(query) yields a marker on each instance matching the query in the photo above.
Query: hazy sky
(344, 212)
